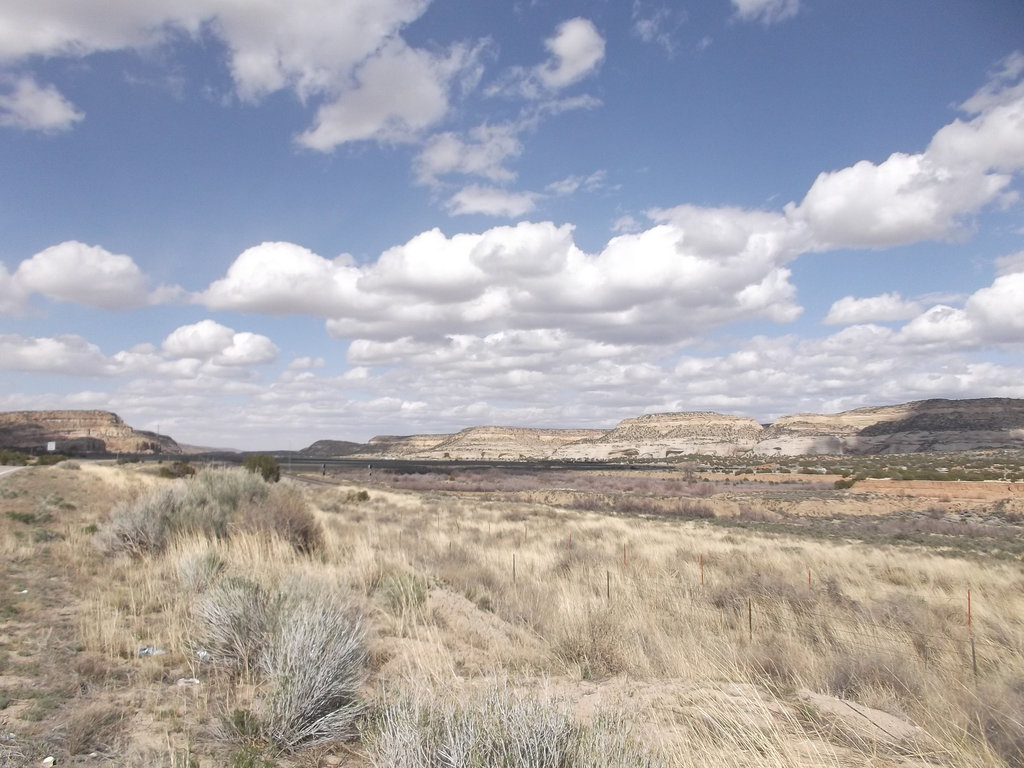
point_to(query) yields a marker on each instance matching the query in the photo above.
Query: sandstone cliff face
(658, 435)
(506, 443)
(82, 431)
(400, 446)
(924, 425)
(927, 425)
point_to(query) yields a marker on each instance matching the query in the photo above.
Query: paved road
(8, 470)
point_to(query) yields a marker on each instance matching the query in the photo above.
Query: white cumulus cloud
(12, 293)
(765, 11)
(576, 49)
(887, 307)
(68, 355)
(85, 274)
(284, 278)
(696, 269)
(216, 343)
(483, 152)
(347, 56)
(993, 315)
(395, 94)
(929, 195)
(491, 201)
(33, 107)
(1005, 265)
(202, 352)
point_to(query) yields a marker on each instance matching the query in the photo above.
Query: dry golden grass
(869, 664)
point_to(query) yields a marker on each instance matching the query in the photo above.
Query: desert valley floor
(672, 616)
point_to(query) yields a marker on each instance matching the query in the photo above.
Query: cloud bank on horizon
(545, 216)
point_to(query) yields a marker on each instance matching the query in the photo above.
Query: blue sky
(261, 224)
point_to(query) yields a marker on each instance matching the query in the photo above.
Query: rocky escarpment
(661, 435)
(924, 425)
(79, 432)
(506, 443)
(401, 446)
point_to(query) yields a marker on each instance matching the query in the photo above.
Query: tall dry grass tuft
(233, 622)
(502, 728)
(285, 512)
(302, 644)
(315, 662)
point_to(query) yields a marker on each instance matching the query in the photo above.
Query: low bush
(209, 506)
(13, 458)
(233, 619)
(142, 525)
(48, 459)
(284, 511)
(691, 510)
(501, 729)
(304, 647)
(198, 572)
(176, 470)
(229, 488)
(315, 662)
(263, 465)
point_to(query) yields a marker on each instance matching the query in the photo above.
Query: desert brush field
(486, 619)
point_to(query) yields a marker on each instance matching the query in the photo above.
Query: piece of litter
(48, 761)
(183, 681)
(203, 655)
(23, 592)
(151, 650)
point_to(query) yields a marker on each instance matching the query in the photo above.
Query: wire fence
(758, 612)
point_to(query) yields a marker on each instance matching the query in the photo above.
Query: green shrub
(13, 458)
(263, 465)
(177, 470)
(48, 459)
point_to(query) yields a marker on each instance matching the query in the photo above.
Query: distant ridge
(332, 448)
(923, 425)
